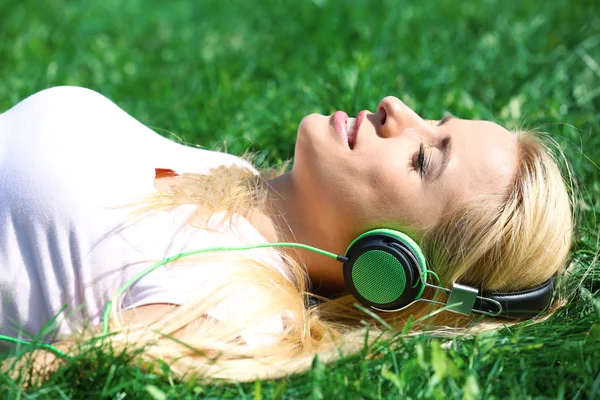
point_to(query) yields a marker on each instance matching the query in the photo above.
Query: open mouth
(346, 127)
(350, 132)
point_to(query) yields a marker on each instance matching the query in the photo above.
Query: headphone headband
(520, 304)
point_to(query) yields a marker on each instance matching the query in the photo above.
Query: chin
(313, 142)
(313, 124)
(311, 136)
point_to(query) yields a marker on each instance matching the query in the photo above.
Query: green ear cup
(385, 286)
(382, 270)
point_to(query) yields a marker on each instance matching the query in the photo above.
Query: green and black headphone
(385, 270)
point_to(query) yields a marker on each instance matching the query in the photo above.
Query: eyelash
(420, 162)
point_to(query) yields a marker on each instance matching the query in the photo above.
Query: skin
(334, 193)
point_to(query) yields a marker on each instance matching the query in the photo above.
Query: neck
(286, 209)
(288, 218)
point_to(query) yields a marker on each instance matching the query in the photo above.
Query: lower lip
(340, 119)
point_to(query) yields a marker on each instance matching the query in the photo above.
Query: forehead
(484, 157)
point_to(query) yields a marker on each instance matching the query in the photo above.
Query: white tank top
(68, 157)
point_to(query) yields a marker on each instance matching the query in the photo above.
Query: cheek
(390, 173)
(396, 189)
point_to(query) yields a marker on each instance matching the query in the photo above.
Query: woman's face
(398, 171)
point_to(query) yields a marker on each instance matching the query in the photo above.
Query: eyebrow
(446, 148)
(445, 119)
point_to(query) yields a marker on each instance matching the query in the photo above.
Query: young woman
(90, 197)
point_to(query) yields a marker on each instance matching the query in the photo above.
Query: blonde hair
(509, 242)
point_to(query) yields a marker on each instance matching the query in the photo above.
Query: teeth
(350, 124)
(350, 129)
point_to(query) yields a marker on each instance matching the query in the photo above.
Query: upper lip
(359, 119)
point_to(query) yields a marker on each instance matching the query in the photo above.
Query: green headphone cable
(145, 272)
(44, 346)
(141, 274)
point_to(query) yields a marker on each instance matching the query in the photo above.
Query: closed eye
(420, 161)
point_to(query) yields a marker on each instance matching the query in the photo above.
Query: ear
(163, 178)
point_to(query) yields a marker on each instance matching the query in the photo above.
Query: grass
(241, 74)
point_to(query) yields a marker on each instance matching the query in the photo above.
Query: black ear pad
(382, 272)
(521, 304)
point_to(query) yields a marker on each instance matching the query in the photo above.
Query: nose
(393, 117)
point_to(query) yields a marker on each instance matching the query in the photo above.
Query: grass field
(241, 74)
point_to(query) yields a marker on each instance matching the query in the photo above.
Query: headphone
(385, 270)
